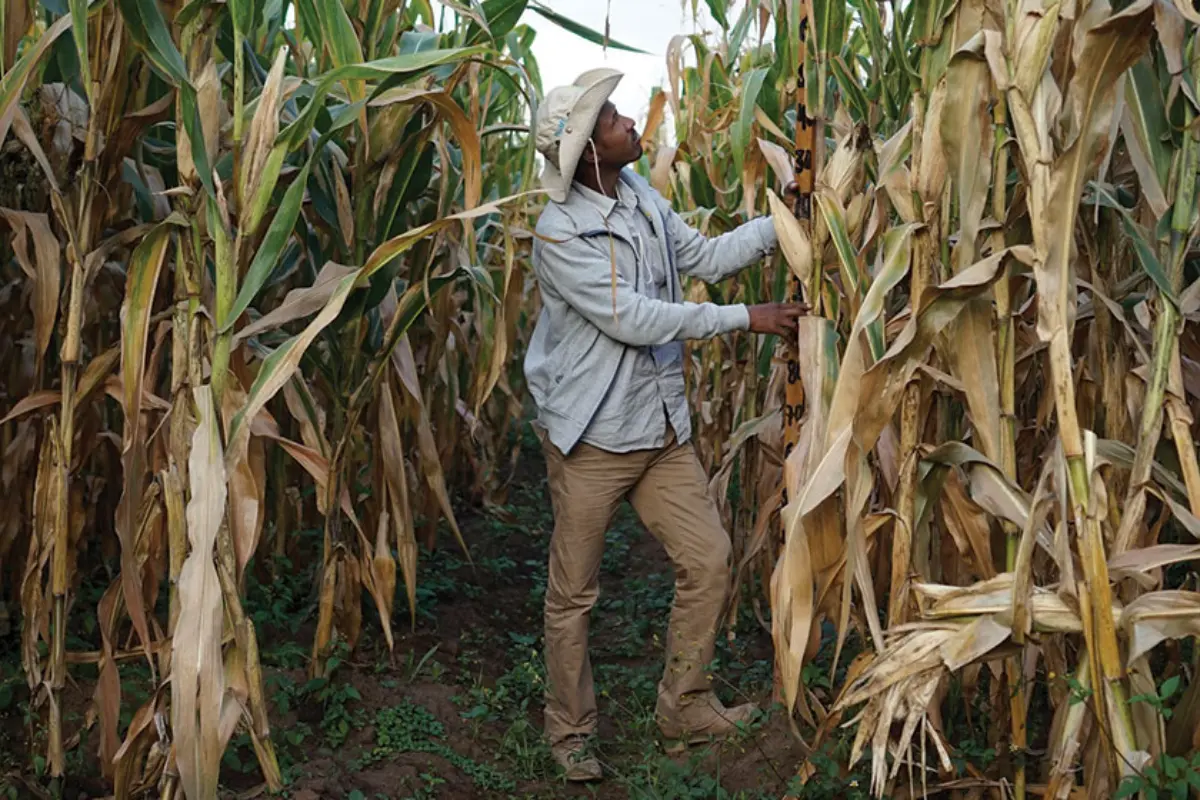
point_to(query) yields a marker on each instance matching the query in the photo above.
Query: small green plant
(1079, 692)
(1158, 700)
(281, 604)
(829, 779)
(428, 789)
(239, 755)
(411, 728)
(1173, 777)
(335, 697)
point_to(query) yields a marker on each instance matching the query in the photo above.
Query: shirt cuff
(734, 317)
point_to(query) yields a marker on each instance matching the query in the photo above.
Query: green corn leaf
(929, 18)
(856, 100)
(847, 256)
(272, 245)
(338, 32)
(342, 42)
(149, 30)
(79, 13)
(265, 188)
(717, 7)
(739, 134)
(279, 367)
(309, 23)
(413, 303)
(872, 27)
(740, 29)
(410, 64)
(1145, 252)
(241, 12)
(413, 174)
(582, 31)
(832, 24)
(189, 12)
(501, 15)
(13, 83)
(1148, 134)
(146, 25)
(195, 132)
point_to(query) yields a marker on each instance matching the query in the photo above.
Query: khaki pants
(668, 489)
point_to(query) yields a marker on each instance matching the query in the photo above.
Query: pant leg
(672, 500)
(585, 488)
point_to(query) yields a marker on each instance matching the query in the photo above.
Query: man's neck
(607, 184)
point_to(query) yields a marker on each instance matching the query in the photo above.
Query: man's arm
(713, 260)
(580, 272)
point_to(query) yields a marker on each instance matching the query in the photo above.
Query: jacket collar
(603, 204)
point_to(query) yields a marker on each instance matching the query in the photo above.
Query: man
(605, 368)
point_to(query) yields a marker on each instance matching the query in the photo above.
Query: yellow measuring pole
(803, 165)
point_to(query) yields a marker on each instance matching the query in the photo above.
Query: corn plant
(256, 247)
(998, 264)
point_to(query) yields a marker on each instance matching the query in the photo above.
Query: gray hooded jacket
(577, 344)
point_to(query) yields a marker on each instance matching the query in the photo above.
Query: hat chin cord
(596, 162)
(612, 246)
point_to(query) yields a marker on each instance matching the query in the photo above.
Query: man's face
(617, 141)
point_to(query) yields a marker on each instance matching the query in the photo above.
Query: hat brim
(582, 120)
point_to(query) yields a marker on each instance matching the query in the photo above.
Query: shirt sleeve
(714, 259)
(580, 272)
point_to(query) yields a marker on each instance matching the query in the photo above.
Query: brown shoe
(574, 757)
(701, 718)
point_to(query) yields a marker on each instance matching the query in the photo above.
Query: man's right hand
(777, 318)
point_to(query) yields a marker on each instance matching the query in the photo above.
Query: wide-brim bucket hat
(565, 120)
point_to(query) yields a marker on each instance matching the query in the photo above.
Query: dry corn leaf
(929, 175)
(396, 478)
(463, 128)
(1157, 616)
(279, 368)
(654, 117)
(792, 602)
(780, 163)
(879, 395)
(43, 271)
(968, 525)
(976, 639)
(1022, 566)
(298, 303)
(1140, 562)
(255, 177)
(211, 113)
(247, 485)
(309, 414)
(140, 737)
(141, 282)
(198, 673)
(42, 399)
(793, 239)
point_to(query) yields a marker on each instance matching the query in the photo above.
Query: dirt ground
(474, 664)
(455, 711)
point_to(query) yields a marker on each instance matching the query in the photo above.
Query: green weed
(410, 728)
(1173, 777)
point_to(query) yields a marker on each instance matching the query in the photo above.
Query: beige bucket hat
(564, 124)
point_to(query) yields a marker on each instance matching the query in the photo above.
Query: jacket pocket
(565, 366)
